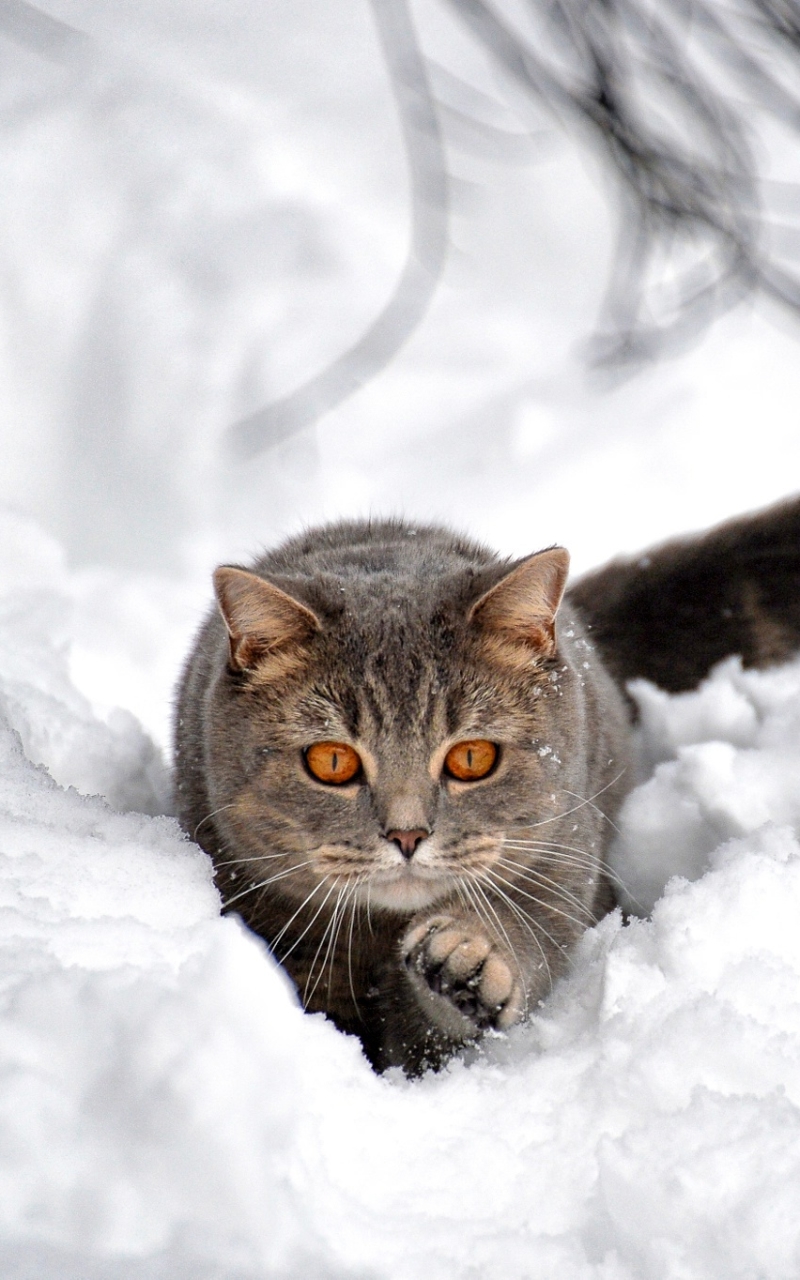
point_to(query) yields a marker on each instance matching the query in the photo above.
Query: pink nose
(407, 841)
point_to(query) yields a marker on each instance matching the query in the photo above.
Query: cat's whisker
(471, 901)
(459, 887)
(346, 897)
(556, 817)
(540, 902)
(529, 926)
(293, 917)
(330, 927)
(208, 818)
(529, 923)
(561, 854)
(350, 903)
(330, 960)
(476, 885)
(596, 807)
(561, 859)
(527, 920)
(353, 905)
(262, 884)
(546, 844)
(531, 876)
(260, 857)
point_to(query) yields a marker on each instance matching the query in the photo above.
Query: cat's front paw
(462, 976)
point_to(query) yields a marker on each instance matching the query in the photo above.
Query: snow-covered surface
(193, 221)
(168, 1111)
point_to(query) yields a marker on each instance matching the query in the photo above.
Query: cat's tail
(670, 614)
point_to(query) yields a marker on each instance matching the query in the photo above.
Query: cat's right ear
(260, 618)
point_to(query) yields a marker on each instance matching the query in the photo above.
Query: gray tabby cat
(404, 755)
(402, 770)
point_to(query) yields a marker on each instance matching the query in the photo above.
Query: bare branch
(424, 263)
(648, 82)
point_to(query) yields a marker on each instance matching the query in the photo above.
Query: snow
(168, 1110)
(725, 758)
(194, 220)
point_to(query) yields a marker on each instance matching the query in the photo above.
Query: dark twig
(652, 84)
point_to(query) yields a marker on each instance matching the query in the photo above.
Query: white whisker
(353, 905)
(261, 857)
(208, 818)
(540, 902)
(294, 916)
(542, 822)
(532, 876)
(559, 853)
(262, 884)
(528, 925)
(477, 886)
(596, 807)
(330, 926)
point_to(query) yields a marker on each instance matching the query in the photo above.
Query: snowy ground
(191, 224)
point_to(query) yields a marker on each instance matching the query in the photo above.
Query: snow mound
(55, 722)
(168, 1111)
(147, 1048)
(726, 760)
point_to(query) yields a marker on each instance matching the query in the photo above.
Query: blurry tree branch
(651, 83)
(657, 88)
(424, 262)
(49, 37)
(666, 91)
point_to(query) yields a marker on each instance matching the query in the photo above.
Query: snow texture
(198, 213)
(167, 1110)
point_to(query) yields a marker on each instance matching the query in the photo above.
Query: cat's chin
(405, 893)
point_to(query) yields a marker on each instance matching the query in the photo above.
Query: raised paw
(466, 981)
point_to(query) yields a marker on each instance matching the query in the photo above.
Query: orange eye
(471, 760)
(333, 762)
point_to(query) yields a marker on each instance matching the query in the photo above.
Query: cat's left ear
(522, 606)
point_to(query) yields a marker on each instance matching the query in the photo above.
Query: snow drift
(168, 1111)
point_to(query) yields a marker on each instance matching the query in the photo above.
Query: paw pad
(460, 963)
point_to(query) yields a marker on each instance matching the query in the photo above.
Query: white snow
(193, 221)
(727, 760)
(168, 1110)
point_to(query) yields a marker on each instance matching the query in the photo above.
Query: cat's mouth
(406, 888)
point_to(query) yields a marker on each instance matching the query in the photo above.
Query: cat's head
(382, 731)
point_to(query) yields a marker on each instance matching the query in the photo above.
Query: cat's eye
(333, 762)
(469, 761)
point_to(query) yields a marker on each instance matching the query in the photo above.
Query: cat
(404, 754)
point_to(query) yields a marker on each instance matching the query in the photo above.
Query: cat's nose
(407, 841)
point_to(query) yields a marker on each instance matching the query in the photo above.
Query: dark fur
(402, 662)
(673, 613)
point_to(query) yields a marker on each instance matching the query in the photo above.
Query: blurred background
(527, 268)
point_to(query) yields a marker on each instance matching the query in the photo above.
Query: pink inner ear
(523, 605)
(259, 616)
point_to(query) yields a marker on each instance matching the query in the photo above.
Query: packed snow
(196, 217)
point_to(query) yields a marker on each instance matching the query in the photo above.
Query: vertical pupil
(469, 757)
(334, 762)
